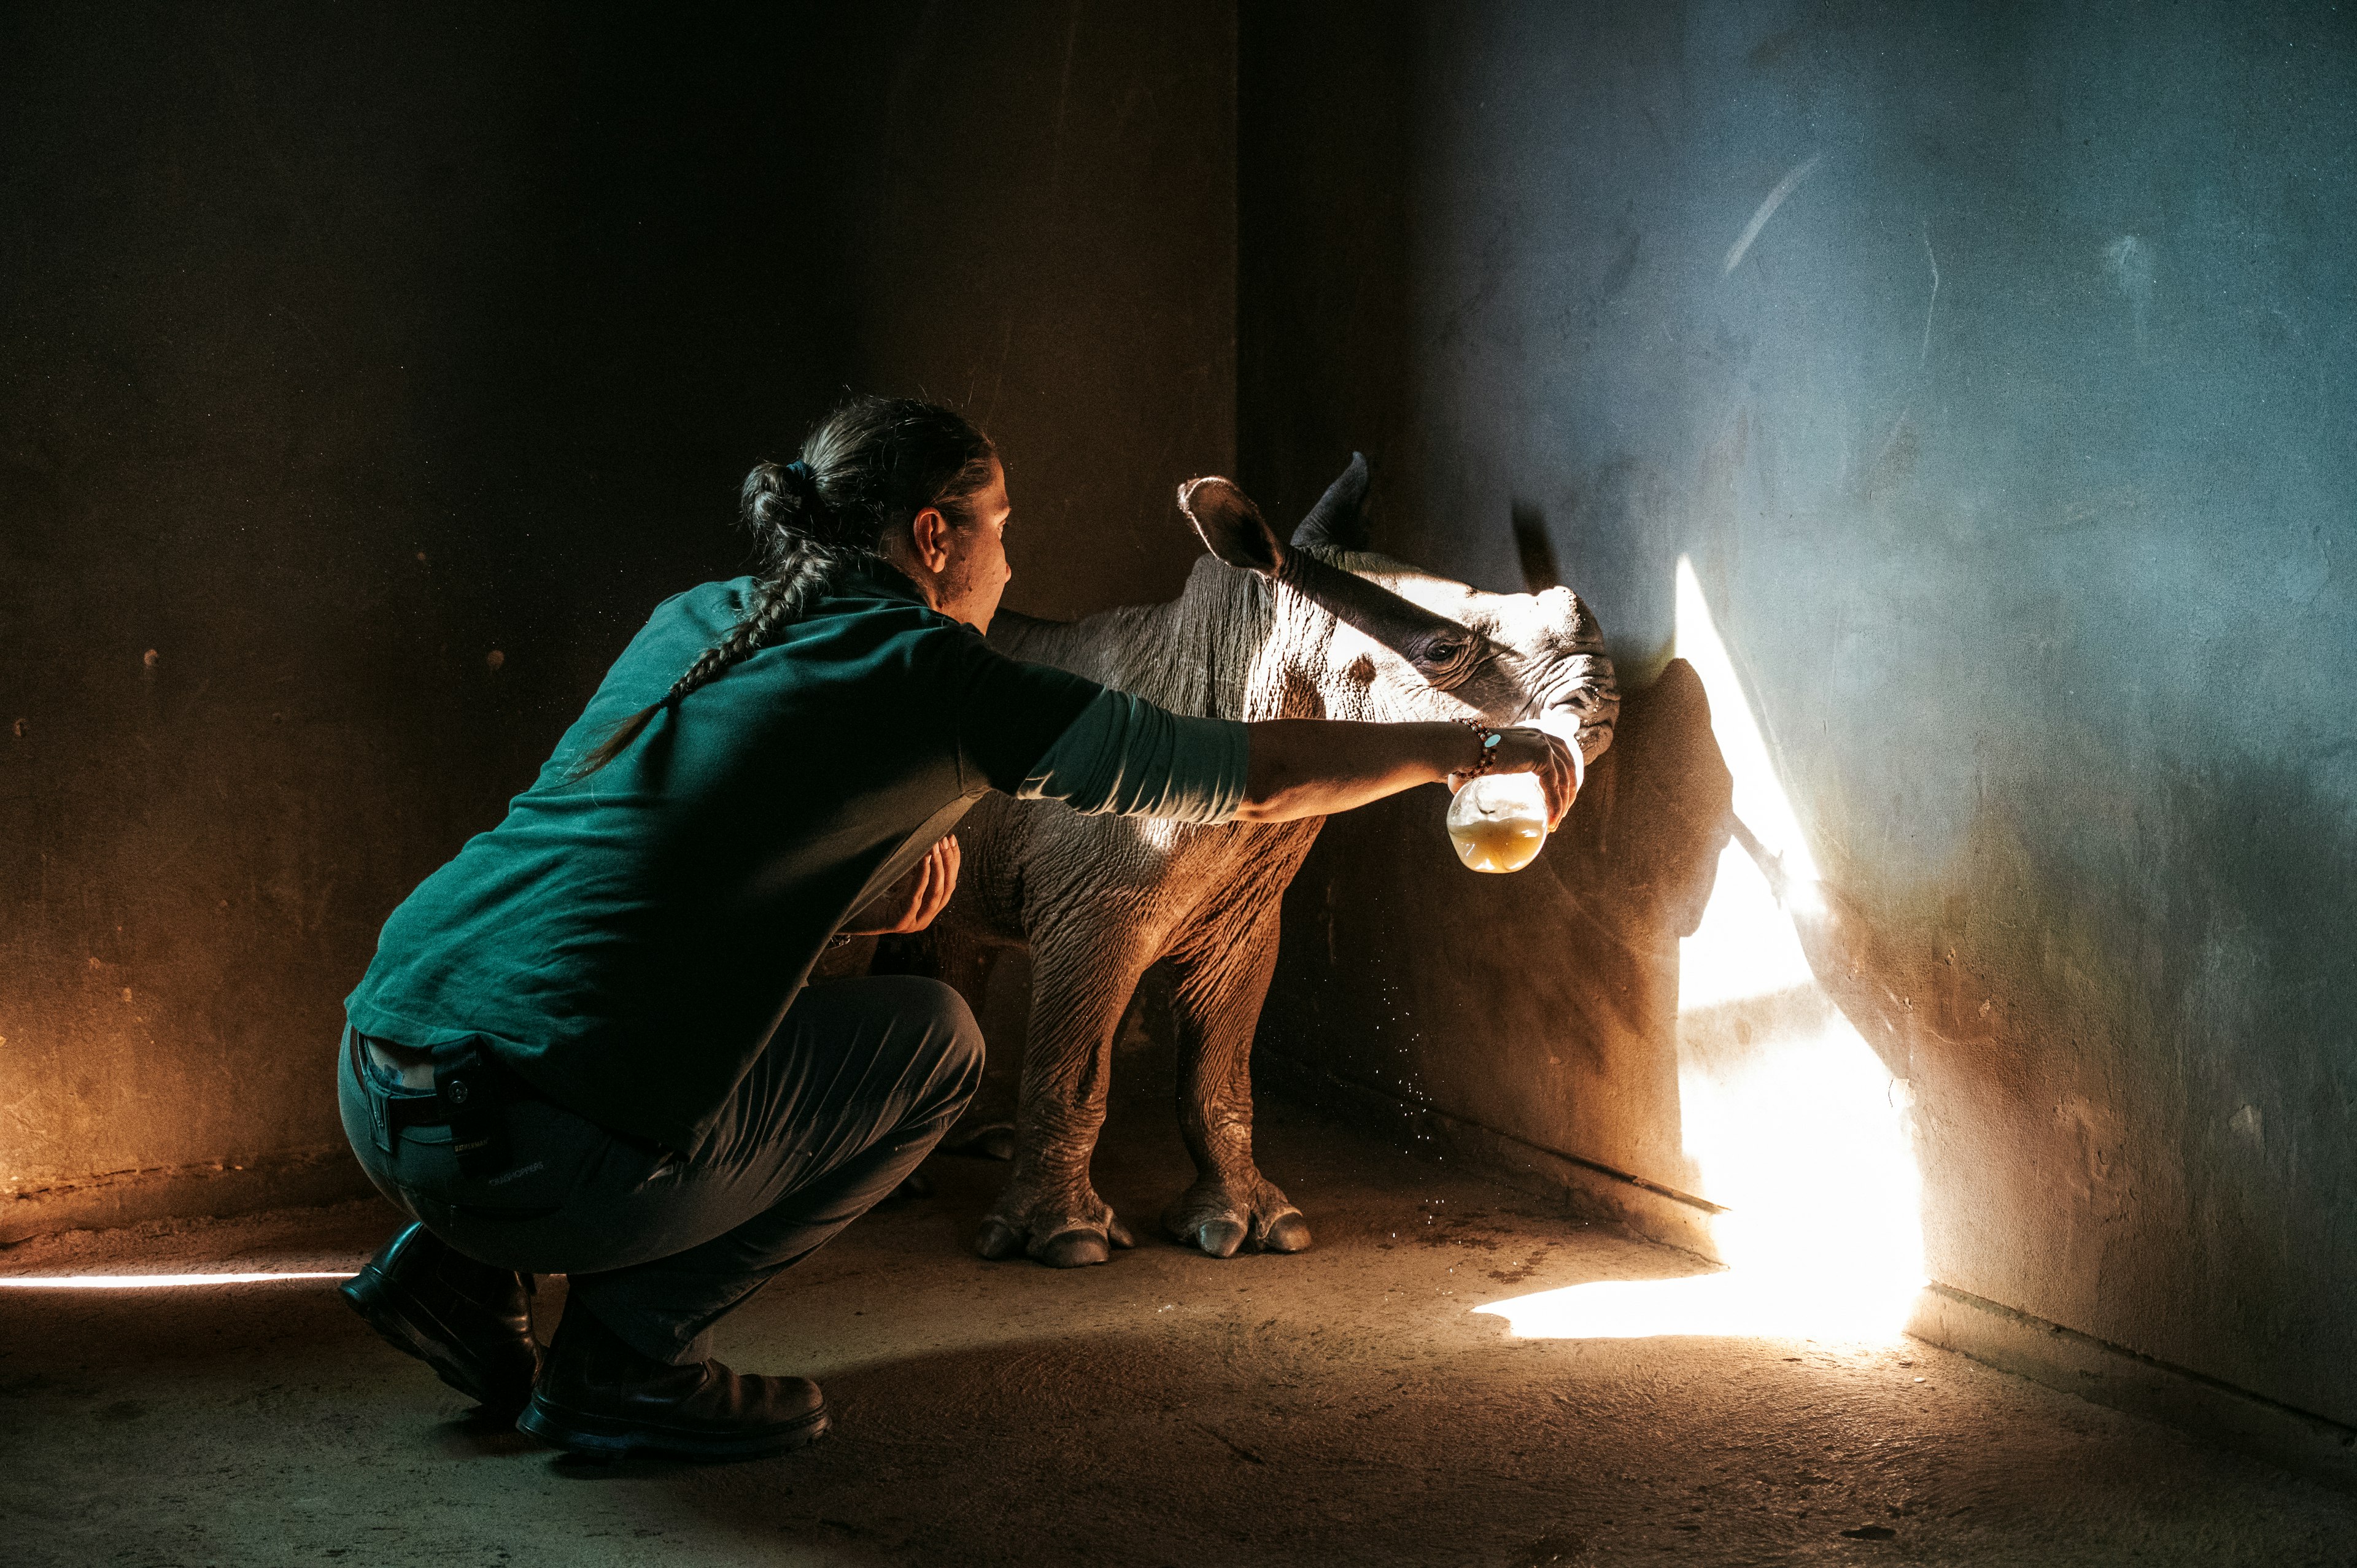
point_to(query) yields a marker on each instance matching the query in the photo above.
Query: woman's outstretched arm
(1313, 768)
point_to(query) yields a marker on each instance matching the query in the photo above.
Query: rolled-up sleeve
(1124, 755)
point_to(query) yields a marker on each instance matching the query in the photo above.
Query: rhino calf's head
(1377, 638)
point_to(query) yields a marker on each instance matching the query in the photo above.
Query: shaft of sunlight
(1788, 1117)
(1761, 803)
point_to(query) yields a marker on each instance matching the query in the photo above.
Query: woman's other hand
(912, 903)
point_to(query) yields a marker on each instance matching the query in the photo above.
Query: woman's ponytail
(780, 498)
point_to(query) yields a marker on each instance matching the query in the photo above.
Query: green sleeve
(1008, 713)
(1126, 756)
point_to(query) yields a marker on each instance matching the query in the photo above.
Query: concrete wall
(2008, 458)
(369, 374)
(1988, 377)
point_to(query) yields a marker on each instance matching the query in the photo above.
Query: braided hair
(866, 472)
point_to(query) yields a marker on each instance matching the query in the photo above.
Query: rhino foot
(1220, 1237)
(1058, 1241)
(998, 1240)
(1214, 1218)
(1286, 1233)
(1075, 1249)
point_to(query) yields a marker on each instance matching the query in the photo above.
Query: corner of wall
(2104, 1374)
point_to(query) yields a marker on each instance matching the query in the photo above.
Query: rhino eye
(1443, 652)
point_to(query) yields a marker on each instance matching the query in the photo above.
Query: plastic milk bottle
(1498, 821)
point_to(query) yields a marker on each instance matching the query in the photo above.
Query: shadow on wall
(1543, 1004)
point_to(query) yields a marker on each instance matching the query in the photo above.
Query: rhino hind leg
(1230, 1207)
(954, 954)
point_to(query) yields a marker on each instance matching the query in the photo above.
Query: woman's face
(969, 583)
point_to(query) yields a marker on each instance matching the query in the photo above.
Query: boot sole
(381, 1307)
(617, 1437)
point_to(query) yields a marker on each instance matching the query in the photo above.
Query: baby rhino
(1265, 629)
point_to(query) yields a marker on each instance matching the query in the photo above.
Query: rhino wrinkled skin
(1099, 898)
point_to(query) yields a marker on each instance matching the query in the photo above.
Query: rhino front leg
(1050, 1210)
(1219, 997)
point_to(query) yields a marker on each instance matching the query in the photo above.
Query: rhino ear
(1230, 526)
(1338, 520)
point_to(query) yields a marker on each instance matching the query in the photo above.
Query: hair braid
(871, 466)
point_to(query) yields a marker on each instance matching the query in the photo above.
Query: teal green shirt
(627, 942)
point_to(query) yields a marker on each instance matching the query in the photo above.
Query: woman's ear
(929, 530)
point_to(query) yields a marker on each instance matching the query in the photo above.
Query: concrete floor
(1343, 1406)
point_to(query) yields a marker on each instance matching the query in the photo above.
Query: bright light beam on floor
(1789, 1118)
(152, 1281)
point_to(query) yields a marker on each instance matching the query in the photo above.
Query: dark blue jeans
(858, 1084)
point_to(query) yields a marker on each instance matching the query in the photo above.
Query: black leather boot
(468, 1321)
(599, 1396)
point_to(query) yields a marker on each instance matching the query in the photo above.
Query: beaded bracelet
(1490, 737)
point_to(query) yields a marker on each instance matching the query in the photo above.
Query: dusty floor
(1342, 1406)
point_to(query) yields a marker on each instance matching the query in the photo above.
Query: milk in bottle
(1498, 821)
